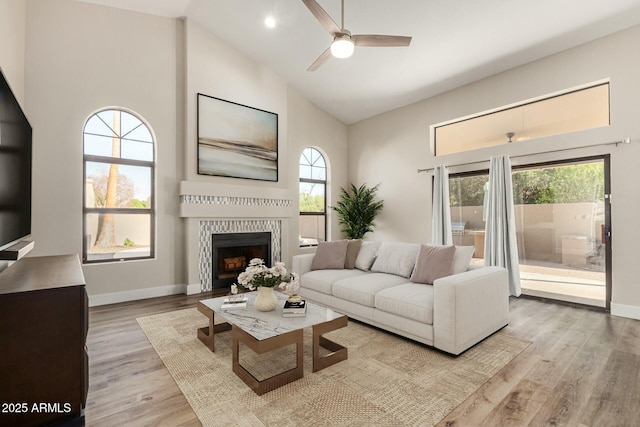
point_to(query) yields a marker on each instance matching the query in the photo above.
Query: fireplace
(231, 253)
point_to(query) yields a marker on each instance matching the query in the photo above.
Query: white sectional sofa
(378, 287)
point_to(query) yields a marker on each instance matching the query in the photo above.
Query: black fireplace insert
(232, 252)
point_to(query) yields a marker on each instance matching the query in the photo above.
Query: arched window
(313, 197)
(118, 197)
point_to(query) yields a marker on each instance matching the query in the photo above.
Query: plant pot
(266, 300)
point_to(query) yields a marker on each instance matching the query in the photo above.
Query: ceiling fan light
(342, 47)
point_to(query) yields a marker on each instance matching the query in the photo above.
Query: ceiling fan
(343, 42)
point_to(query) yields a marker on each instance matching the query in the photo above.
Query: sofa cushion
(323, 280)
(433, 262)
(330, 255)
(462, 259)
(411, 300)
(353, 248)
(367, 255)
(362, 289)
(396, 258)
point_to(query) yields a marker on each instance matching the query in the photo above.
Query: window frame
(518, 105)
(315, 181)
(108, 160)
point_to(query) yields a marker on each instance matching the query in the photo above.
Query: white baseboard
(193, 289)
(137, 294)
(621, 310)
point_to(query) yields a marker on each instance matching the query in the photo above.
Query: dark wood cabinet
(43, 332)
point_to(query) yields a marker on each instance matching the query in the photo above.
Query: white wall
(216, 69)
(213, 68)
(309, 126)
(389, 148)
(81, 58)
(12, 44)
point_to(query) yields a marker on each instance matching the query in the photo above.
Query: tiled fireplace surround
(211, 209)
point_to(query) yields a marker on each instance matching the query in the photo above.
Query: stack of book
(234, 302)
(294, 309)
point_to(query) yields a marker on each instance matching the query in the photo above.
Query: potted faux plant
(357, 210)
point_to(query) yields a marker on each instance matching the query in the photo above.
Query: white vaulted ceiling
(454, 42)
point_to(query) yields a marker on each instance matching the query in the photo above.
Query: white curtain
(500, 245)
(441, 218)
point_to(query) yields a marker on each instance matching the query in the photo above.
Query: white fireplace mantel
(206, 200)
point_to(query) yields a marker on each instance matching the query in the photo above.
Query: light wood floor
(582, 369)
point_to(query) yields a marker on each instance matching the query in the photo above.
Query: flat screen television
(15, 168)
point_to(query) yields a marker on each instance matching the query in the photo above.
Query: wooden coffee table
(266, 331)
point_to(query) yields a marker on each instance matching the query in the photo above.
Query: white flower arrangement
(258, 274)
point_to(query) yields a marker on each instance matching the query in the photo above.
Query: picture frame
(236, 140)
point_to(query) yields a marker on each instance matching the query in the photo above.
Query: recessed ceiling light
(270, 21)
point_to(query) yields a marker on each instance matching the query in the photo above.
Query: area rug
(386, 381)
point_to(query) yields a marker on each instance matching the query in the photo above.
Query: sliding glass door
(562, 212)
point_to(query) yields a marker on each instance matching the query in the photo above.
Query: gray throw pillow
(433, 262)
(353, 248)
(330, 255)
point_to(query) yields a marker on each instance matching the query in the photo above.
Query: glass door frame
(605, 158)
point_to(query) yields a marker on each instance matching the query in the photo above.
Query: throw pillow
(353, 248)
(367, 254)
(433, 262)
(396, 258)
(462, 259)
(330, 255)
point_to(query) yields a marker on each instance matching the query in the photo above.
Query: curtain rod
(616, 143)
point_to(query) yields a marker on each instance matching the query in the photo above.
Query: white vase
(266, 300)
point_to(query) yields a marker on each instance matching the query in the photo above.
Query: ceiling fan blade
(322, 16)
(373, 40)
(321, 60)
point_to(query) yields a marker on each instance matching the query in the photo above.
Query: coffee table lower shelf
(337, 353)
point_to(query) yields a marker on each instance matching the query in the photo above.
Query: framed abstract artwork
(236, 140)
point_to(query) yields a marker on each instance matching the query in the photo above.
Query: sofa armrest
(468, 307)
(302, 263)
